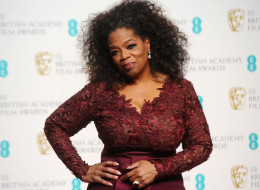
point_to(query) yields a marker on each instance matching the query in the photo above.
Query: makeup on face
(129, 51)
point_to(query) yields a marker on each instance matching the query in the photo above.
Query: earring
(149, 55)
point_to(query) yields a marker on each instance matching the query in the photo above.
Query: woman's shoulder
(96, 87)
(180, 82)
(179, 86)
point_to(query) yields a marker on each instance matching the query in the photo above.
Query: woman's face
(129, 52)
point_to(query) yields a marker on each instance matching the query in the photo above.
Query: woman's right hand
(97, 172)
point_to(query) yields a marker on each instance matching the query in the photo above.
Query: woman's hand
(96, 172)
(142, 171)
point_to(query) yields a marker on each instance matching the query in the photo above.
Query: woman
(137, 97)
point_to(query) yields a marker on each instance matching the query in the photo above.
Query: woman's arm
(67, 120)
(197, 144)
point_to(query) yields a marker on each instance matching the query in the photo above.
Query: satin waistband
(124, 159)
(138, 149)
(127, 158)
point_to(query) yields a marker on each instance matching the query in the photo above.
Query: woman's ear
(147, 43)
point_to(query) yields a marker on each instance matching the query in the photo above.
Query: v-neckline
(128, 104)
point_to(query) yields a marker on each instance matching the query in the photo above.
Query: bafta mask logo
(237, 96)
(236, 19)
(239, 176)
(43, 62)
(43, 144)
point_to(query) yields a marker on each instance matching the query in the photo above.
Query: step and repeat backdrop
(41, 67)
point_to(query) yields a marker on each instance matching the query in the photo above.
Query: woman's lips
(128, 66)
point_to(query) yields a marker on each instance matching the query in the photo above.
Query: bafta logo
(237, 98)
(236, 19)
(43, 62)
(239, 175)
(43, 144)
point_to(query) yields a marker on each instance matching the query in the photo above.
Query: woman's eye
(113, 53)
(131, 46)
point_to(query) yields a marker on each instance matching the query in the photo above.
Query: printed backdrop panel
(41, 67)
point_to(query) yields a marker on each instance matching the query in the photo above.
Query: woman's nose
(124, 55)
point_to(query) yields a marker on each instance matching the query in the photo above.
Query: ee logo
(76, 184)
(200, 182)
(4, 147)
(253, 144)
(196, 25)
(73, 31)
(251, 63)
(201, 101)
(3, 68)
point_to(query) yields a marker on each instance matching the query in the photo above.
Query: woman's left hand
(142, 171)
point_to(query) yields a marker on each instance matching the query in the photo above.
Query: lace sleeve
(197, 143)
(64, 122)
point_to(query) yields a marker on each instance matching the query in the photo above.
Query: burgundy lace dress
(173, 118)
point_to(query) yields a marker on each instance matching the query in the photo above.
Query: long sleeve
(67, 120)
(197, 144)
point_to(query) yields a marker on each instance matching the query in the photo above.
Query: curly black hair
(168, 43)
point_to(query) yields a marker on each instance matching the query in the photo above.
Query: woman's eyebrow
(114, 47)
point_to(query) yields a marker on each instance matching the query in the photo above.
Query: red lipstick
(128, 66)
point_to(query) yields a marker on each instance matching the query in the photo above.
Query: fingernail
(119, 173)
(110, 184)
(117, 163)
